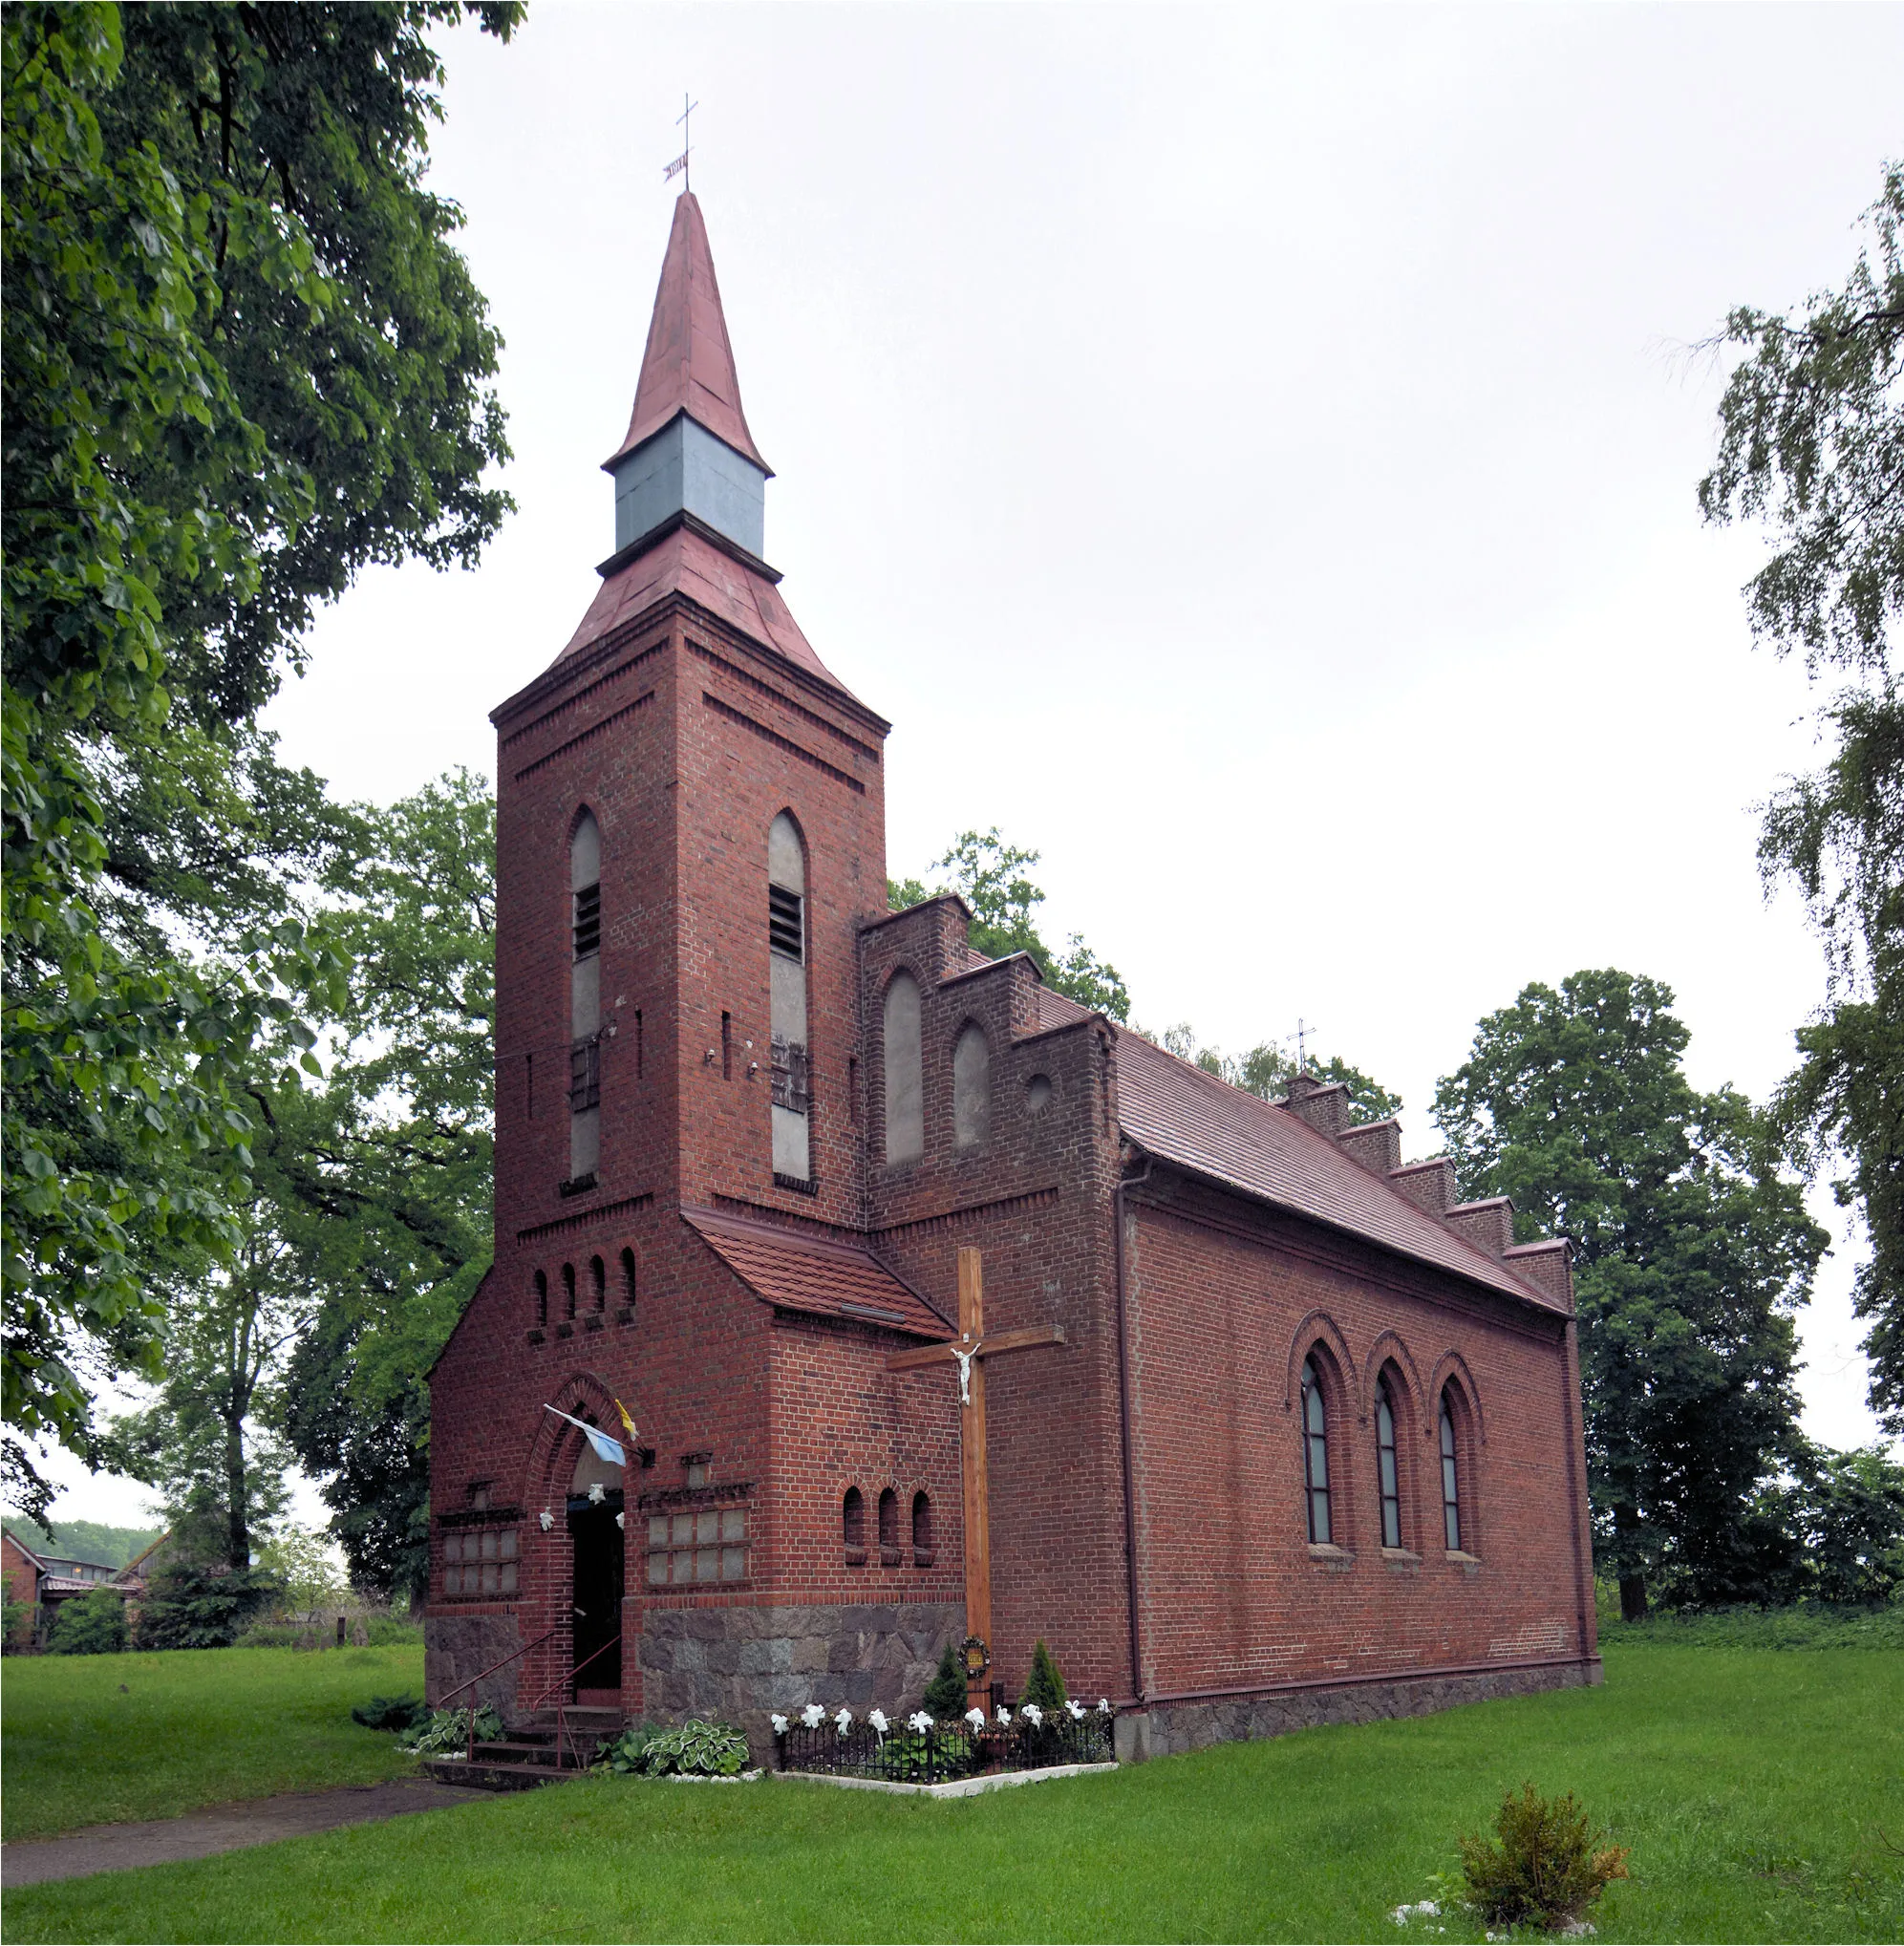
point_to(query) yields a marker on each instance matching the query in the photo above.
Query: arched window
(853, 1525)
(628, 1284)
(598, 1284)
(542, 1297)
(1316, 1455)
(568, 1289)
(922, 1530)
(1385, 1467)
(905, 1071)
(585, 998)
(1450, 1480)
(786, 967)
(972, 1088)
(889, 1527)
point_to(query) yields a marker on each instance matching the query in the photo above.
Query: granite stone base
(457, 1647)
(1168, 1729)
(742, 1664)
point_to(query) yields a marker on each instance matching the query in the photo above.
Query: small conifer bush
(1044, 1686)
(945, 1693)
(1544, 1867)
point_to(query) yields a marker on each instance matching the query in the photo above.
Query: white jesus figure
(965, 1360)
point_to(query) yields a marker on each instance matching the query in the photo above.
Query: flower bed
(922, 1751)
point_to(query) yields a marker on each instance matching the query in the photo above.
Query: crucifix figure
(968, 1350)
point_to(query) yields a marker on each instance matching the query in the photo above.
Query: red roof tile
(794, 1271)
(689, 365)
(684, 563)
(1180, 1113)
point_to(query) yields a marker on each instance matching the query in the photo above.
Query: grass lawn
(94, 1739)
(1762, 1791)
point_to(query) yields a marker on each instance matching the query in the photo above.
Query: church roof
(689, 365)
(1178, 1112)
(794, 1271)
(686, 562)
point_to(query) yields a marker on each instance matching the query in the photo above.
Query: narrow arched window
(585, 998)
(922, 1530)
(542, 1297)
(889, 1527)
(972, 1088)
(568, 1289)
(792, 1089)
(1450, 1481)
(905, 1071)
(1385, 1467)
(598, 1284)
(853, 1525)
(1316, 1454)
(627, 1285)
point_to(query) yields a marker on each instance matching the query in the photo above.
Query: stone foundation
(1168, 1729)
(455, 1647)
(742, 1665)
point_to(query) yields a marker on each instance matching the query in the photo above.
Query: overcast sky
(1248, 454)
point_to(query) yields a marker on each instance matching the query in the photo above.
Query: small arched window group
(891, 1547)
(582, 1292)
(1321, 1457)
(903, 1053)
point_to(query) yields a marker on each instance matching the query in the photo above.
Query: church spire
(688, 367)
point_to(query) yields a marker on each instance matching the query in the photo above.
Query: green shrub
(1044, 1686)
(387, 1630)
(203, 1607)
(1802, 1625)
(15, 1621)
(447, 1730)
(945, 1693)
(90, 1625)
(1544, 1867)
(389, 1712)
(904, 1758)
(696, 1750)
(626, 1755)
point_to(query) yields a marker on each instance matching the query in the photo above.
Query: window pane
(657, 1530)
(451, 1546)
(707, 1563)
(684, 1567)
(507, 1543)
(451, 1580)
(684, 1527)
(657, 1569)
(489, 1577)
(707, 1526)
(508, 1581)
(489, 1546)
(733, 1525)
(734, 1564)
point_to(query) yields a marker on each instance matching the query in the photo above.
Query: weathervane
(1300, 1036)
(680, 165)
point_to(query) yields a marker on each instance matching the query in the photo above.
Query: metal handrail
(562, 1708)
(449, 1695)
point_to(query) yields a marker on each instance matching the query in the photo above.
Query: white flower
(780, 1726)
(1031, 1710)
(975, 1717)
(844, 1721)
(1004, 1715)
(813, 1716)
(1076, 1708)
(1104, 1705)
(595, 1494)
(547, 1519)
(877, 1719)
(919, 1720)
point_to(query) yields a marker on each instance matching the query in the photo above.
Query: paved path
(224, 1828)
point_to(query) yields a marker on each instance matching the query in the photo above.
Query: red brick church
(942, 1306)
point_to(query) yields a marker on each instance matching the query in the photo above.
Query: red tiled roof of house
(1178, 1112)
(794, 1271)
(684, 563)
(688, 366)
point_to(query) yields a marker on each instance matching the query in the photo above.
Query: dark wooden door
(598, 1591)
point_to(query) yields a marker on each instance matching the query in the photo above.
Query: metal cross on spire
(680, 165)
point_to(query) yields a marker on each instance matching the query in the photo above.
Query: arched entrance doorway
(597, 1583)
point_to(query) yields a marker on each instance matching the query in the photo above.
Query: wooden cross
(969, 1351)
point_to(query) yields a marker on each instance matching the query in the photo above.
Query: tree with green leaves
(242, 358)
(387, 1200)
(1812, 448)
(1267, 1070)
(1692, 1252)
(993, 877)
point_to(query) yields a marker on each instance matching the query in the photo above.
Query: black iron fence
(944, 1752)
